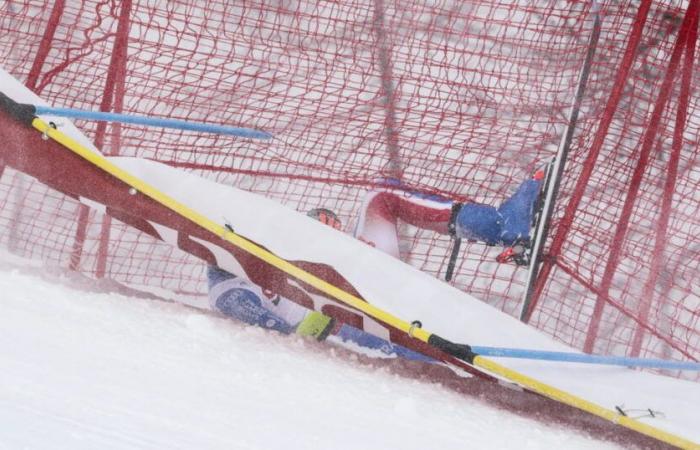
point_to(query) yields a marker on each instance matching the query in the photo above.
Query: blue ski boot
(521, 214)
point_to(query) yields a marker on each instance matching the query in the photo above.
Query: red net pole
(114, 90)
(670, 182)
(635, 184)
(45, 45)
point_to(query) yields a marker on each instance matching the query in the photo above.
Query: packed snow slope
(86, 369)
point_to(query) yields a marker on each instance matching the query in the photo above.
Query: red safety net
(464, 99)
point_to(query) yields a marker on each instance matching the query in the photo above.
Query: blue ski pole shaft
(584, 358)
(153, 121)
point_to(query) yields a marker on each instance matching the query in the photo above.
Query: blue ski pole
(153, 121)
(584, 358)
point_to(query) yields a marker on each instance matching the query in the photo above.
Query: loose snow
(81, 369)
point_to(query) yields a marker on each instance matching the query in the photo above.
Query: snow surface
(84, 369)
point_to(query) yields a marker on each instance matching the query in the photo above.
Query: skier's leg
(383, 208)
(377, 223)
(478, 222)
(506, 225)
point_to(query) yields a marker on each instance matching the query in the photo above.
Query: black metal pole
(559, 163)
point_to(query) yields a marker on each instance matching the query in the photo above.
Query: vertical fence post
(115, 77)
(32, 79)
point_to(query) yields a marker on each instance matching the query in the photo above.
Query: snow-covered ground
(82, 369)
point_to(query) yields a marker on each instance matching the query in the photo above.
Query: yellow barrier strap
(582, 404)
